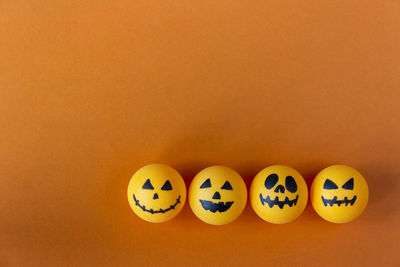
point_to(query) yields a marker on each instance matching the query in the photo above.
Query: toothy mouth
(143, 207)
(214, 207)
(334, 200)
(277, 202)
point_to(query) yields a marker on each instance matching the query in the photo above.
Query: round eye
(290, 184)
(167, 186)
(271, 180)
(207, 183)
(147, 185)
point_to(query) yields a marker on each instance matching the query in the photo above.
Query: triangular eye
(349, 185)
(271, 180)
(147, 185)
(206, 184)
(227, 186)
(167, 186)
(330, 185)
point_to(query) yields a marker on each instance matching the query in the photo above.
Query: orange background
(93, 90)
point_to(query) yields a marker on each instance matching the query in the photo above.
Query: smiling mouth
(276, 201)
(143, 207)
(214, 207)
(334, 200)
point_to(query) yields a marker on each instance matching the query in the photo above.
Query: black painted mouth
(214, 207)
(178, 200)
(334, 200)
(276, 201)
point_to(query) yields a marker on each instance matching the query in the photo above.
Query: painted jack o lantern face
(156, 193)
(278, 194)
(217, 195)
(339, 194)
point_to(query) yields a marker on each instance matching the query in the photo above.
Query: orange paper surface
(90, 91)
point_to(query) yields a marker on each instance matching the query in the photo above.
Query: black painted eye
(290, 184)
(147, 185)
(349, 185)
(167, 186)
(206, 184)
(330, 185)
(271, 180)
(227, 186)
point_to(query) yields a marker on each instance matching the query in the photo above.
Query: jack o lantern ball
(217, 195)
(339, 194)
(278, 194)
(156, 193)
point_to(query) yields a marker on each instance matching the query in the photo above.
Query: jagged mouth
(276, 201)
(334, 200)
(214, 207)
(143, 207)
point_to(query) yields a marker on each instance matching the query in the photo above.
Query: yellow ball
(278, 194)
(156, 193)
(217, 195)
(339, 194)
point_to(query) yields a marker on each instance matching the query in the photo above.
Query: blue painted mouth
(143, 207)
(214, 207)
